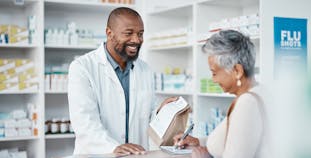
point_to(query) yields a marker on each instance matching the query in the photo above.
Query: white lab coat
(97, 103)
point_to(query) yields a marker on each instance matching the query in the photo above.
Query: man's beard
(124, 55)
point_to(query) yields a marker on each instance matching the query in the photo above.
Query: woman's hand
(188, 141)
(200, 152)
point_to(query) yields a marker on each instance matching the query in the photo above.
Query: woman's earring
(239, 83)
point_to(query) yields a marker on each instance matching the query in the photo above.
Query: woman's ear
(238, 70)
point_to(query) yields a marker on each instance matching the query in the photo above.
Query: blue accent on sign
(290, 47)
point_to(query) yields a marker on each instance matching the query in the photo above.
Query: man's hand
(166, 101)
(188, 141)
(127, 149)
(200, 152)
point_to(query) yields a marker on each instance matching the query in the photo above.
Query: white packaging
(253, 19)
(24, 67)
(54, 36)
(66, 38)
(24, 132)
(33, 111)
(47, 79)
(31, 79)
(54, 126)
(10, 132)
(31, 87)
(4, 154)
(1, 133)
(21, 154)
(253, 29)
(71, 129)
(7, 66)
(11, 80)
(48, 37)
(18, 114)
(59, 82)
(23, 123)
(2, 123)
(10, 123)
(244, 20)
(65, 85)
(73, 38)
(53, 82)
(60, 37)
(64, 127)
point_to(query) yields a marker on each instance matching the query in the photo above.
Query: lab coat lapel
(107, 67)
(133, 95)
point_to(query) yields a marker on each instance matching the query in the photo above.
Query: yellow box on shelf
(18, 39)
(4, 61)
(6, 64)
(28, 68)
(4, 77)
(18, 86)
(8, 86)
(23, 77)
(12, 30)
(23, 86)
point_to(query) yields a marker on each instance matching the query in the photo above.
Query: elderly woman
(231, 59)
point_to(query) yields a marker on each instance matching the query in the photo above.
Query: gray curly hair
(231, 47)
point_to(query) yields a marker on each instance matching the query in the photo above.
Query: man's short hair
(118, 12)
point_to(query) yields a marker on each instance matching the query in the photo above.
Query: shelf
(224, 95)
(177, 47)
(10, 3)
(59, 136)
(254, 38)
(82, 47)
(18, 46)
(20, 92)
(230, 3)
(173, 93)
(18, 138)
(83, 5)
(55, 92)
(183, 10)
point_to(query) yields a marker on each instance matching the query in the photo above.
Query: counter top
(149, 154)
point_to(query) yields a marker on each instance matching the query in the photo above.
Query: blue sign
(290, 48)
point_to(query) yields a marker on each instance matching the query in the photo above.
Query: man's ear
(238, 70)
(108, 32)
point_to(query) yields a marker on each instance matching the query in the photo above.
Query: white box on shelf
(10, 123)
(10, 132)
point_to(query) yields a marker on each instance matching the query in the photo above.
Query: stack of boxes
(176, 37)
(18, 123)
(119, 1)
(14, 34)
(56, 78)
(247, 24)
(205, 128)
(17, 75)
(71, 35)
(174, 81)
(12, 153)
(208, 86)
(216, 116)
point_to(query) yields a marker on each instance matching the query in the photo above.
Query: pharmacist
(111, 92)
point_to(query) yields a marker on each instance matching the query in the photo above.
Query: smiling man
(111, 91)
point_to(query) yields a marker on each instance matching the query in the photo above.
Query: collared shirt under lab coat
(97, 104)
